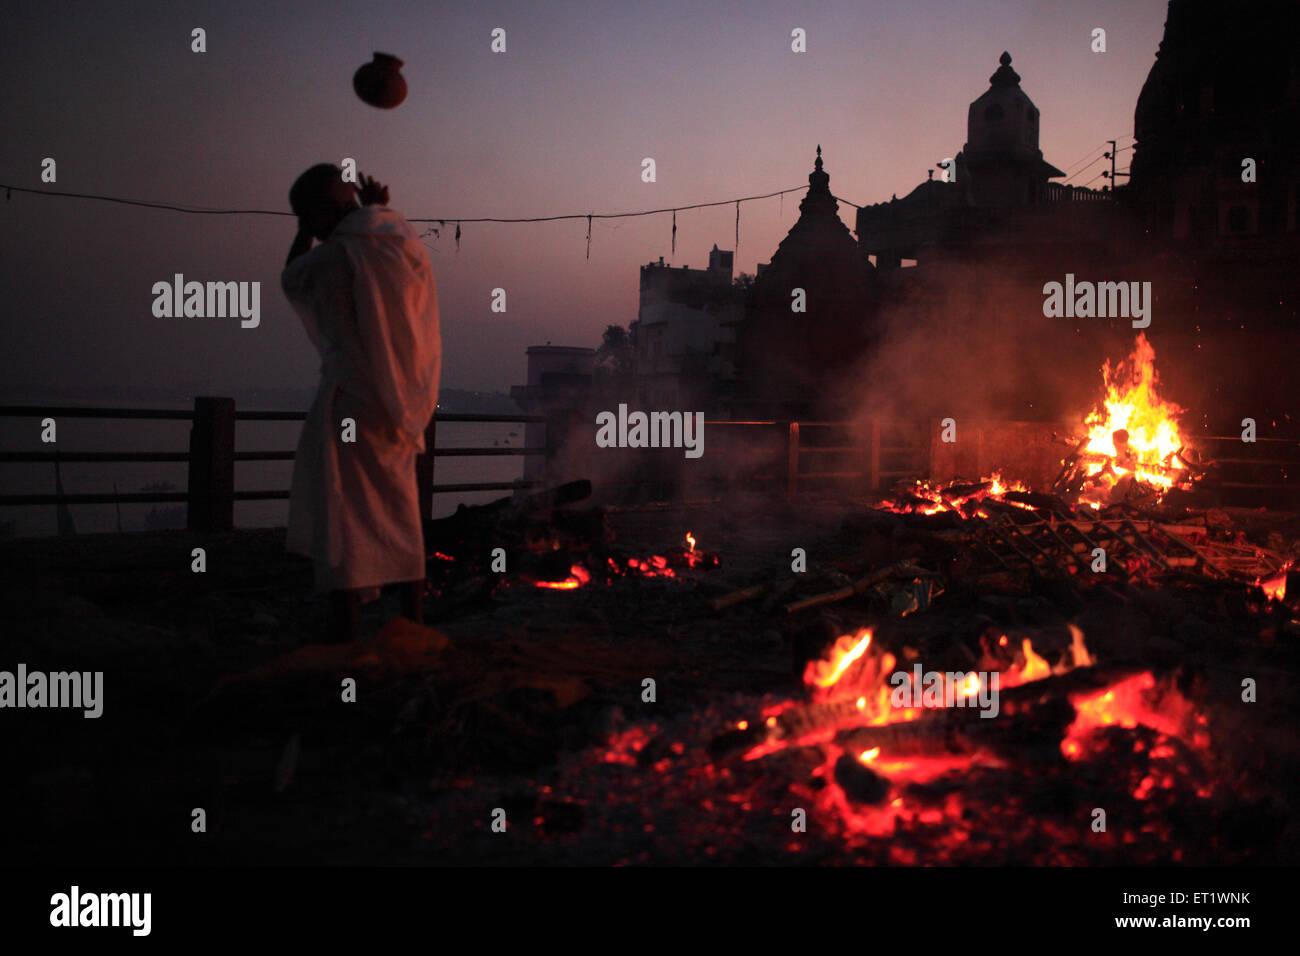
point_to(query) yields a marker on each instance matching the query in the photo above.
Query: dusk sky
(558, 124)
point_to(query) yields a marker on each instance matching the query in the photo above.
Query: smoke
(736, 457)
(969, 340)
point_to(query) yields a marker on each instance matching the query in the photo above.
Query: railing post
(212, 465)
(424, 469)
(868, 438)
(792, 480)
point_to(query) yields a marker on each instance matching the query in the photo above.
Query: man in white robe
(367, 299)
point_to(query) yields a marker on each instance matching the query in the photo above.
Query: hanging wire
(589, 236)
(1087, 160)
(674, 232)
(1083, 170)
(203, 210)
(458, 237)
(174, 207)
(737, 224)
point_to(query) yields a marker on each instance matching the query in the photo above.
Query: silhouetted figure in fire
(367, 299)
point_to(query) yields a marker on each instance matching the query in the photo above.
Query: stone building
(683, 336)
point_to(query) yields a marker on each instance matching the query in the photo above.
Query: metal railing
(1064, 192)
(880, 449)
(865, 455)
(211, 493)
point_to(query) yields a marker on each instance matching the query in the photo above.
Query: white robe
(367, 299)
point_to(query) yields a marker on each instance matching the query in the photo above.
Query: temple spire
(1004, 75)
(817, 179)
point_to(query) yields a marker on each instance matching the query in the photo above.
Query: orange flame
(856, 674)
(847, 649)
(1138, 431)
(1035, 667)
(935, 498)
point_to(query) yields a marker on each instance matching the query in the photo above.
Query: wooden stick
(857, 587)
(739, 597)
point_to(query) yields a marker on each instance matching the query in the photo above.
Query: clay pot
(380, 83)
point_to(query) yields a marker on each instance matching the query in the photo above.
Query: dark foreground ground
(217, 698)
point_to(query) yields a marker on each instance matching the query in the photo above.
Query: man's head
(320, 198)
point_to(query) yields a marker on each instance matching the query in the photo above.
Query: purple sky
(558, 124)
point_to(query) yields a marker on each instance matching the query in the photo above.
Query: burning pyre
(1133, 448)
(1132, 451)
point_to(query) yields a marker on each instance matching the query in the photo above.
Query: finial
(817, 179)
(1004, 75)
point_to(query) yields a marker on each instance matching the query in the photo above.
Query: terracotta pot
(380, 83)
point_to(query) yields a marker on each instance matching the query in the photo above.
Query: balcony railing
(211, 493)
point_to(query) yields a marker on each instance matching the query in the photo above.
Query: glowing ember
(927, 498)
(578, 576)
(850, 688)
(1128, 704)
(1274, 587)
